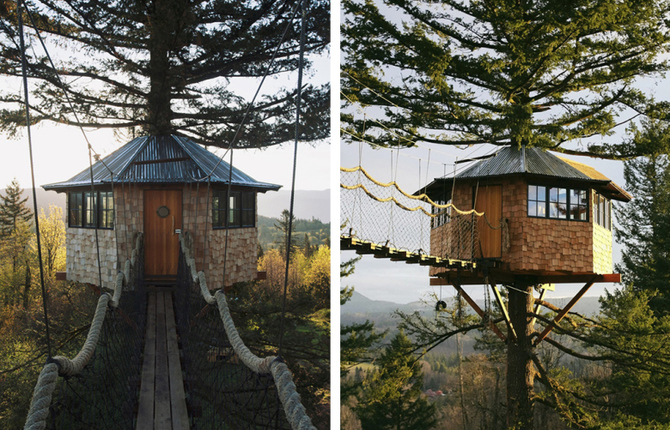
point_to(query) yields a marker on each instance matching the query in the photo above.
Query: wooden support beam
(480, 312)
(565, 311)
(536, 309)
(503, 308)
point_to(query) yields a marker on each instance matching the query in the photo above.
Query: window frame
(603, 214)
(549, 203)
(242, 211)
(89, 217)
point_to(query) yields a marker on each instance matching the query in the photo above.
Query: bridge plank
(177, 396)
(163, 414)
(145, 411)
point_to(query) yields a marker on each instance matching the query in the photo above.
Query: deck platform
(162, 403)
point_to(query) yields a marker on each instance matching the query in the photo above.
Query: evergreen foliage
(270, 236)
(537, 73)
(643, 223)
(13, 209)
(392, 397)
(166, 67)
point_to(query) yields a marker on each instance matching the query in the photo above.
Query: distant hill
(44, 198)
(361, 308)
(359, 304)
(308, 204)
(317, 231)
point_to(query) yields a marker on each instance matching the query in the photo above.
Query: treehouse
(546, 220)
(161, 186)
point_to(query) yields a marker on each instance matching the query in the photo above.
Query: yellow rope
(421, 197)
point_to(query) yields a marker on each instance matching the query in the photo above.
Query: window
(106, 214)
(579, 205)
(443, 215)
(557, 203)
(602, 213)
(75, 210)
(241, 209)
(537, 201)
(91, 210)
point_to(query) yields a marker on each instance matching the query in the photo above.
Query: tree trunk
(162, 22)
(26, 287)
(520, 371)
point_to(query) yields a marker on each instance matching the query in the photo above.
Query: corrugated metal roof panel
(511, 161)
(161, 159)
(532, 161)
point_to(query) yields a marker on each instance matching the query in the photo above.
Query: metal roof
(161, 159)
(535, 162)
(511, 161)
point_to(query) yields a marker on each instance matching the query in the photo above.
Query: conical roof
(534, 162)
(161, 159)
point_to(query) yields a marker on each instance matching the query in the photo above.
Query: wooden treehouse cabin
(161, 186)
(547, 220)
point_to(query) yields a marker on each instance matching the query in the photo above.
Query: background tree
(530, 72)
(392, 397)
(13, 209)
(282, 225)
(642, 224)
(52, 232)
(164, 67)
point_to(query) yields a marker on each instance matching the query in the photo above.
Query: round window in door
(163, 211)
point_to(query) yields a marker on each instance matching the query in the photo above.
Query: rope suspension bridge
(382, 219)
(227, 385)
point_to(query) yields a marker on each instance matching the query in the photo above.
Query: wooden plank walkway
(162, 399)
(380, 251)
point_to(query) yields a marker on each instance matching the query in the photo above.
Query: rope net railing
(384, 214)
(229, 385)
(98, 388)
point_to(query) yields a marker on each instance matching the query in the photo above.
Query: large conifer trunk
(519, 363)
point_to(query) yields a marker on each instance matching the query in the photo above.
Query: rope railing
(65, 367)
(288, 395)
(369, 210)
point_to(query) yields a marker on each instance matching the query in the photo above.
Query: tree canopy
(163, 67)
(531, 72)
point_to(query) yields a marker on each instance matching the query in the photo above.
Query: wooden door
(489, 201)
(162, 216)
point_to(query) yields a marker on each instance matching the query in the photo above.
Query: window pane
(89, 209)
(532, 192)
(75, 209)
(532, 208)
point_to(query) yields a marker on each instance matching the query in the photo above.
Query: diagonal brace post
(503, 308)
(565, 311)
(479, 311)
(537, 307)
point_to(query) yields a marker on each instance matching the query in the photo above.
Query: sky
(59, 152)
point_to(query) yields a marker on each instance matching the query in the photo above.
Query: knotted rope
(289, 397)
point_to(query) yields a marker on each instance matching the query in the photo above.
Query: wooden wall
(209, 243)
(537, 244)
